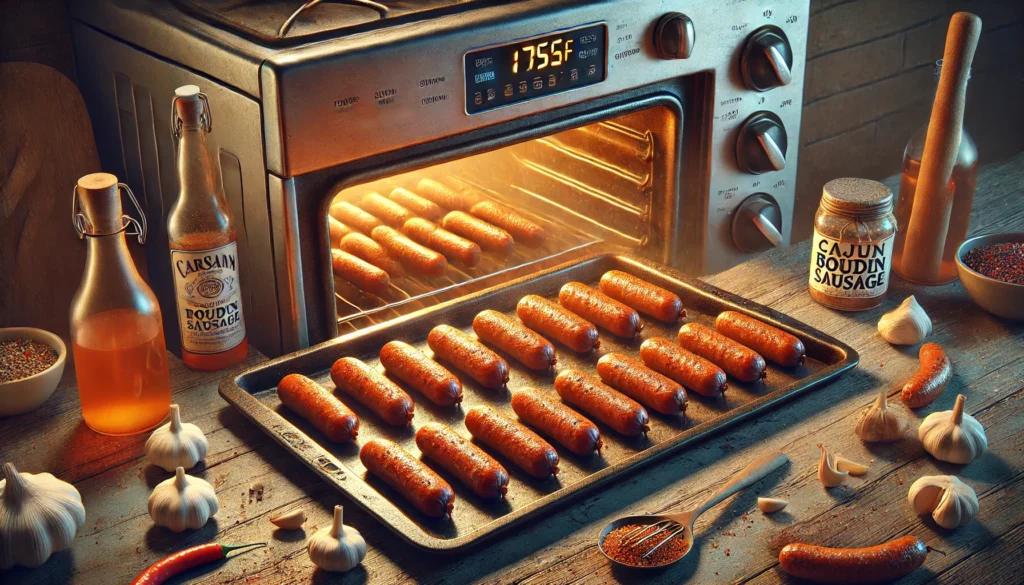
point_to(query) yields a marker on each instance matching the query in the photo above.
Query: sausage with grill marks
(558, 323)
(586, 392)
(490, 237)
(739, 361)
(322, 409)
(771, 342)
(643, 296)
(431, 235)
(522, 229)
(634, 379)
(469, 356)
(446, 197)
(352, 216)
(418, 260)
(362, 274)
(418, 205)
(687, 368)
(571, 429)
(385, 209)
(364, 247)
(474, 468)
(337, 231)
(510, 336)
(516, 442)
(408, 476)
(600, 309)
(374, 391)
(428, 377)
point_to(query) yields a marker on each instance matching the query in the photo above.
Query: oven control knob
(674, 36)
(767, 59)
(757, 224)
(761, 145)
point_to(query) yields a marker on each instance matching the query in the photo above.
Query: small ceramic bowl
(21, 396)
(1002, 299)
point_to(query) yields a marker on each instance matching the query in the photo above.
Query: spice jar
(851, 253)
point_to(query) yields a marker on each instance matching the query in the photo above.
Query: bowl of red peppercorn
(31, 364)
(991, 268)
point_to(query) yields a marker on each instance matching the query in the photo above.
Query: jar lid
(857, 197)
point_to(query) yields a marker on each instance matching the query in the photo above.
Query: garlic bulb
(39, 515)
(290, 520)
(951, 502)
(851, 467)
(182, 502)
(338, 548)
(952, 436)
(879, 424)
(769, 505)
(907, 324)
(828, 475)
(176, 444)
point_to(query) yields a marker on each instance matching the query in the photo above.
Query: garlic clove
(769, 505)
(290, 520)
(851, 467)
(828, 475)
(952, 435)
(336, 548)
(879, 424)
(907, 324)
(951, 502)
(176, 444)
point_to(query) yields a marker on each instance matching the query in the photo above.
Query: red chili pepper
(184, 560)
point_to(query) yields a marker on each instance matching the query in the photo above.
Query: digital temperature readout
(507, 74)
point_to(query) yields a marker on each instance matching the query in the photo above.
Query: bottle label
(209, 299)
(850, 269)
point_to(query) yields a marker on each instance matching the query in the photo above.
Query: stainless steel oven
(665, 128)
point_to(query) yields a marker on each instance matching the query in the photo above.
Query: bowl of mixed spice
(31, 364)
(991, 268)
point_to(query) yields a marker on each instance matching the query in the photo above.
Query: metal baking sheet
(474, 519)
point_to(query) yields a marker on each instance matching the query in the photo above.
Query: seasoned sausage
(558, 323)
(413, 367)
(692, 371)
(511, 337)
(490, 237)
(337, 231)
(737, 360)
(771, 342)
(600, 309)
(362, 274)
(931, 378)
(563, 424)
(586, 392)
(469, 356)
(382, 396)
(385, 210)
(876, 564)
(634, 379)
(521, 229)
(643, 296)
(476, 469)
(365, 248)
(417, 259)
(431, 235)
(516, 442)
(418, 205)
(445, 197)
(322, 409)
(352, 216)
(408, 476)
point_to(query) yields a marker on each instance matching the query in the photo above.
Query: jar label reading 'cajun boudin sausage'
(208, 298)
(850, 269)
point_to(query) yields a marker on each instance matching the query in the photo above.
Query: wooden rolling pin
(933, 200)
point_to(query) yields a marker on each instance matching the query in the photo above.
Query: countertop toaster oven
(664, 128)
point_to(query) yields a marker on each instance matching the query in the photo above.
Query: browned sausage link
(692, 371)
(322, 409)
(408, 476)
(558, 323)
(382, 396)
(431, 235)
(413, 367)
(737, 360)
(417, 259)
(510, 336)
(352, 216)
(516, 442)
(931, 378)
(337, 231)
(362, 274)
(491, 238)
(474, 468)
(416, 204)
(634, 379)
(600, 309)
(771, 342)
(445, 197)
(385, 209)
(563, 424)
(365, 248)
(521, 229)
(643, 296)
(586, 392)
(876, 564)
(469, 356)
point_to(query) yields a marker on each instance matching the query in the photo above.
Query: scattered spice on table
(630, 554)
(21, 358)
(1003, 262)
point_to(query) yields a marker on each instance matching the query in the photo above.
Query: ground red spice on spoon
(21, 358)
(633, 555)
(1003, 262)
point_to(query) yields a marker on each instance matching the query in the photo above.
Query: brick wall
(869, 85)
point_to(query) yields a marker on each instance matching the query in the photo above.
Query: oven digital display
(507, 74)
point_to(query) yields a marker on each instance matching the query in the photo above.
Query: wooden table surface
(736, 543)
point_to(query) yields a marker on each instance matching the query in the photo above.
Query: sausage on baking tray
(433, 236)
(513, 338)
(876, 564)
(428, 377)
(551, 319)
(931, 378)
(643, 296)
(337, 231)
(491, 238)
(586, 392)
(600, 309)
(636, 380)
(446, 197)
(365, 248)
(362, 274)
(352, 216)
(571, 429)
(374, 391)
(417, 259)
(739, 361)
(690, 370)
(322, 409)
(469, 356)
(771, 342)
(418, 205)
(474, 468)
(521, 229)
(408, 476)
(516, 442)
(385, 209)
